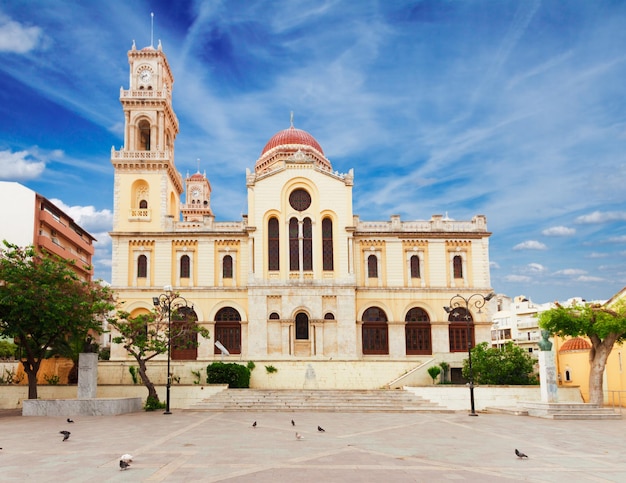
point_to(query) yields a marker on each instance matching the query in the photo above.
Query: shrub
(104, 354)
(53, 380)
(152, 404)
(434, 371)
(7, 349)
(235, 375)
(270, 369)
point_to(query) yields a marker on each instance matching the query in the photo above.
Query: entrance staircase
(375, 400)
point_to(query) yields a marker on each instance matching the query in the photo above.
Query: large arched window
(461, 325)
(227, 267)
(142, 266)
(228, 330)
(144, 136)
(327, 244)
(415, 266)
(294, 252)
(273, 244)
(302, 326)
(375, 331)
(457, 265)
(372, 266)
(185, 268)
(417, 332)
(184, 336)
(307, 244)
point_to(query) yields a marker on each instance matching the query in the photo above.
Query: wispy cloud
(19, 166)
(16, 37)
(602, 217)
(530, 245)
(558, 231)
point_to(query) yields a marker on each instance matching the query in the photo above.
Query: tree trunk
(31, 369)
(146, 380)
(598, 356)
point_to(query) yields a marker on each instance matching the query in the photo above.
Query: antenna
(291, 119)
(151, 29)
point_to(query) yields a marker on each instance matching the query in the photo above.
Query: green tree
(501, 365)
(145, 336)
(434, 371)
(603, 325)
(43, 303)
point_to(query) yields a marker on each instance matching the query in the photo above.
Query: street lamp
(476, 300)
(168, 302)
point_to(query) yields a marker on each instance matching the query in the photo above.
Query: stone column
(87, 375)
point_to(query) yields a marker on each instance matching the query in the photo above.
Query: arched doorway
(302, 326)
(375, 331)
(228, 330)
(417, 332)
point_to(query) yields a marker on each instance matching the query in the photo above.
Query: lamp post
(476, 300)
(166, 302)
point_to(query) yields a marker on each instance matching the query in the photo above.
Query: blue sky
(515, 110)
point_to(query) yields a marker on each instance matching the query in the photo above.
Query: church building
(300, 282)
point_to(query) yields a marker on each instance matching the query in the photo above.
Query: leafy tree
(603, 325)
(43, 303)
(146, 336)
(434, 371)
(509, 365)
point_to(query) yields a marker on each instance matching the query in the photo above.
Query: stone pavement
(356, 447)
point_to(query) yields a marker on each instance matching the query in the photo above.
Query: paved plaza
(189, 446)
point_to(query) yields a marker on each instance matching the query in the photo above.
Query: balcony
(140, 214)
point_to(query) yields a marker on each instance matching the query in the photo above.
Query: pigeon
(519, 454)
(125, 461)
(70, 420)
(299, 436)
(293, 423)
(254, 424)
(66, 435)
(320, 429)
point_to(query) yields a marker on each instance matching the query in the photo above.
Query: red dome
(197, 176)
(292, 136)
(575, 344)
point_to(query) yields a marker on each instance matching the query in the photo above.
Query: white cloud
(618, 239)
(558, 231)
(494, 265)
(530, 245)
(19, 166)
(570, 272)
(518, 278)
(597, 255)
(535, 267)
(602, 217)
(16, 37)
(88, 217)
(586, 278)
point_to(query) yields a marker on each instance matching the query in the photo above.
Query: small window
(372, 267)
(274, 316)
(457, 264)
(142, 266)
(415, 267)
(184, 266)
(227, 267)
(143, 205)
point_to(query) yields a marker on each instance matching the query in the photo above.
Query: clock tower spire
(147, 184)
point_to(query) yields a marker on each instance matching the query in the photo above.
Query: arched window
(142, 266)
(417, 332)
(294, 252)
(329, 316)
(228, 330)
(183, 335)
(307, 245)
(302, 326)
(144, 136)
(273, 245)
(227, 267)
(372, 266)
(375, 331)
(327, 244)
(457, 264)
(274, 316)
(460, 330)
(415, 266)
(143, 205)
(184, 266)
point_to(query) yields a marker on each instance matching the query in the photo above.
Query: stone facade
(300, 277)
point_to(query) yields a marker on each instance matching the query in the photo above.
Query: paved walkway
(356, 447)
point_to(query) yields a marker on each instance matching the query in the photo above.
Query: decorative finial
(198, 161)
(151, 29)
(291, 119)
(134, 46)
(160, 47)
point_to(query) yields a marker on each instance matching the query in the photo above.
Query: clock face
(145, 75)
(195, 193)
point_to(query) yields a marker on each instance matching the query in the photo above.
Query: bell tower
(198, 198)
(147, 185)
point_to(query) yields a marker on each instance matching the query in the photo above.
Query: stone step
(577, 411)
(317, 400)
